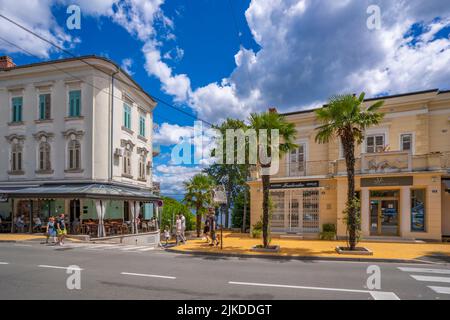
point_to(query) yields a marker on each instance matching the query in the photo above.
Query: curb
(301, 258)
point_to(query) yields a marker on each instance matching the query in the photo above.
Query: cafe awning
(91, 191)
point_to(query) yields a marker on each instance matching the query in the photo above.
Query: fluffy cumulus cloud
(171, 178)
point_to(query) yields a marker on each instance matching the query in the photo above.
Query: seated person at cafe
(37, 224)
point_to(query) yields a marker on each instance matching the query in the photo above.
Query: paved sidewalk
(18, 237)
(240, 244)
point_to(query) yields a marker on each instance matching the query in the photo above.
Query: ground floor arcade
(95, 210)
(415, 206)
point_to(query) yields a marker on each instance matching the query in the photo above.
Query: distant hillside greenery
(173, 207)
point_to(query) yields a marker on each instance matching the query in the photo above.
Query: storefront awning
(91, 191)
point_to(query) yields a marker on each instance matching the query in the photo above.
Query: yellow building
(402, 174)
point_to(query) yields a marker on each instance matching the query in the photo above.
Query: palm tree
(198, 195)
(345, 117)
(268, 121)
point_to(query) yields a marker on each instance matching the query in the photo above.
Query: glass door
(384, 216)
(389, 217)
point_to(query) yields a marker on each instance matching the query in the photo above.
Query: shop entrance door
(384, 216)
(295, 212)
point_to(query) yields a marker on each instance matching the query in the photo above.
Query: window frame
(74, 155)
(16, 161)
(374, 136)
(412, 142)
(45, 112)
(75, 110)
(142, 126)
(16, 116)
(425, 214)
(44, 156)
(126, 116)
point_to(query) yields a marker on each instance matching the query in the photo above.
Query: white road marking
(147, 275)
(4, 262)
(23, 245)
(377, 295)
(425, 270)
(134, 248)
(431, 279)
(58, 267)
(147, 249)
(443, 290)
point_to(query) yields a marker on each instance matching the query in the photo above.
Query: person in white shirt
(183, 227)
(179, 229)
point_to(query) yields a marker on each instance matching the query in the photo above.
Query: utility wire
(99, 69)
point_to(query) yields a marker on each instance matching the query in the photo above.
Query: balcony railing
(368, 163)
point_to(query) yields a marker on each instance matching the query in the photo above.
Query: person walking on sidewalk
(179, 230)
(183, 227)
(213, 227)
(51, 230)
(61, 229)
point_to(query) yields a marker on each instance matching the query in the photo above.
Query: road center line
(57, 267)
(4, 262)
(147, 275)
(22, 245)
(377, 295)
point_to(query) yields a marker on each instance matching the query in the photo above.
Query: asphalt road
(35, 271)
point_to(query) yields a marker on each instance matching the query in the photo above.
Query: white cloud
(38, 17)
(169, 134)
(126, 65)
(172, 178)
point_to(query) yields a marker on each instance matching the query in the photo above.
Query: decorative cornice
(127, 142)
(42, 134)
(14, 136)
(142, 151)
(72, 132)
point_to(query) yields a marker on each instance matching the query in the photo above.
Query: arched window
(16, 157)
(127, 162)
(142, 167)
(74, 152)
(44, 156)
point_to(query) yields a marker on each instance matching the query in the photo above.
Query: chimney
(6, 63)
(273, 110)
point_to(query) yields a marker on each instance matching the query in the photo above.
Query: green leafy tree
(173, 207)
(237, 214)
(232, 176)
(198, 196)
(270, 121)
(345, 117)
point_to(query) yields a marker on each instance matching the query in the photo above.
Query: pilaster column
(405, 211)
(365, 212)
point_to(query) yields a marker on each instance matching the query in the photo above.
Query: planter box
(358, 251)
(272, 249)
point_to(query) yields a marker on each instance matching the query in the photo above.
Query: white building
(74, 132)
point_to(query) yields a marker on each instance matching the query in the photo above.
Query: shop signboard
(294, 185)
(387, 181)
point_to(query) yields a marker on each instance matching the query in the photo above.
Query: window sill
(43, 121)
(44, 171)
(16, 173)
(127, 130)
(142, 138)
(126, 175)
(16, 123)
(74, 171)
(73, 118)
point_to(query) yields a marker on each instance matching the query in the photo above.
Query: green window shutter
(142, 126)
(17, 109)
(41, 107)
(75, 103)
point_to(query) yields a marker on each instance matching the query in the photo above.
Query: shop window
(418, 211)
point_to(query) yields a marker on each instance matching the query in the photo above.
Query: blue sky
(227, 58)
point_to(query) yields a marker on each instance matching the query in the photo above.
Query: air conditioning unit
(118, 152)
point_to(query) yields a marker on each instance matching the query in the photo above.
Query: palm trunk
(265, 221)
(199, 222)
(244, 219)
(349, 150)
